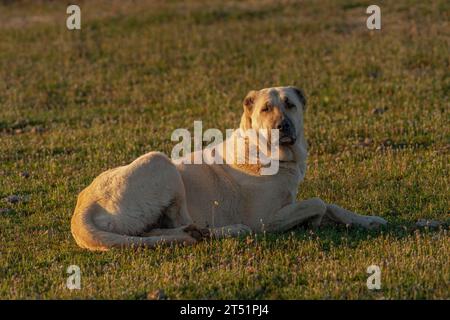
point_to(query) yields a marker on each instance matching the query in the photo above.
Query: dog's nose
(284, 126)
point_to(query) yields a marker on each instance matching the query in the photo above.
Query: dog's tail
(89, 235)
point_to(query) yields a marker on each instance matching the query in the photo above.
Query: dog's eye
(266, 108)
(288, 104)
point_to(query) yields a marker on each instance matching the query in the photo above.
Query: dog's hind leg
(233, 230)
(191, 231)
(122, 204)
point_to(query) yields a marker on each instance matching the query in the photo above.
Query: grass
(75, 103)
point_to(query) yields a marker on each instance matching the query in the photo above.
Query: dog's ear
(301, 96)
(249, 102)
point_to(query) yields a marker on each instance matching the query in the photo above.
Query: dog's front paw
(197, 233)
(372, 222)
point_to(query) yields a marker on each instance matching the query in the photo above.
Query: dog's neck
(291, 157)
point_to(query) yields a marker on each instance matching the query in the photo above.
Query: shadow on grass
(351, 237)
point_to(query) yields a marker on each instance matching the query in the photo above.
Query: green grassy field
(75, 103)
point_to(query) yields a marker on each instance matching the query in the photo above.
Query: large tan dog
(152, 200)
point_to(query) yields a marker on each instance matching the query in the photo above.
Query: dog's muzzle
(287, 134)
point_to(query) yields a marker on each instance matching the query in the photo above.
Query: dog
(154, 201)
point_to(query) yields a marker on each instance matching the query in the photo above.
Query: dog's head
(275, 108)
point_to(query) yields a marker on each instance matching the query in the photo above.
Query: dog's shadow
(352, 237)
